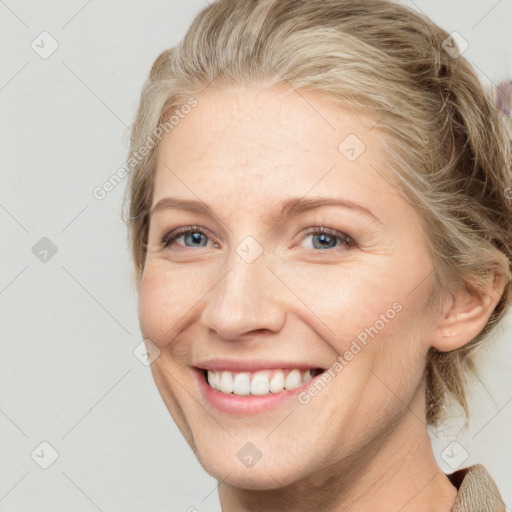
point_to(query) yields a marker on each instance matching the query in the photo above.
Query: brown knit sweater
(476, 491)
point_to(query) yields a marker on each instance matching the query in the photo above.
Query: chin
(256, 478)
(233, 464)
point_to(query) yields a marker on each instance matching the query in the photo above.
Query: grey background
(69, 324)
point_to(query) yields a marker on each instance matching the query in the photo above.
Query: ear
(466, 310)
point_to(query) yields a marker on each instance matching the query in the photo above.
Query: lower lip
(247, 404)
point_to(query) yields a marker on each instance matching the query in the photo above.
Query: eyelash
(346, 240)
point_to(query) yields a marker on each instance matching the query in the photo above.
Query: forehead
(261, 144)
(250, 122)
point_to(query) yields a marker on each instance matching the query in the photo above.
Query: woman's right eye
(193, 236)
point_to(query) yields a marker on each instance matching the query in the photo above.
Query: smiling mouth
(259, 383)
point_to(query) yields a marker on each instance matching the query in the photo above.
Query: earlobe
(466, 310)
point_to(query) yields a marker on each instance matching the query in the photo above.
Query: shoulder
(477, 492)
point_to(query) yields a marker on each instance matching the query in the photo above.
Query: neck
(398, 471)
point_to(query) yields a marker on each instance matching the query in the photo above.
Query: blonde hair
(448, 148)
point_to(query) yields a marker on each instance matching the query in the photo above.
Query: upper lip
(252, 366)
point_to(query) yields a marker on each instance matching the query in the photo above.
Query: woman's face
(256, 286)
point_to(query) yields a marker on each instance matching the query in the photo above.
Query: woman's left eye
(326, 238)
(322, 238)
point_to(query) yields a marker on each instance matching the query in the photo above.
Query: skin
(362, 443)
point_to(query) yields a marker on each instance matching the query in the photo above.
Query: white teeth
(277, 382)
(262, 382)
(306, 376)
(259, 383)
(241, 384)
(226, 382)
(293, 380)
(211, 379)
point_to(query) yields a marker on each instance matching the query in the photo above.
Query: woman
(321, 235)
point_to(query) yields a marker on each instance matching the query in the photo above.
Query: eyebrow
(290, 207)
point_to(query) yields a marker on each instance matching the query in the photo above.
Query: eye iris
(195, 236)
(324, 241)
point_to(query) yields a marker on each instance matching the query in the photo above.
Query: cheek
(346, 299)
(169, 297)
(366, 312)
(162, 303)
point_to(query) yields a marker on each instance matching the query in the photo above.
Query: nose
(246, 299)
